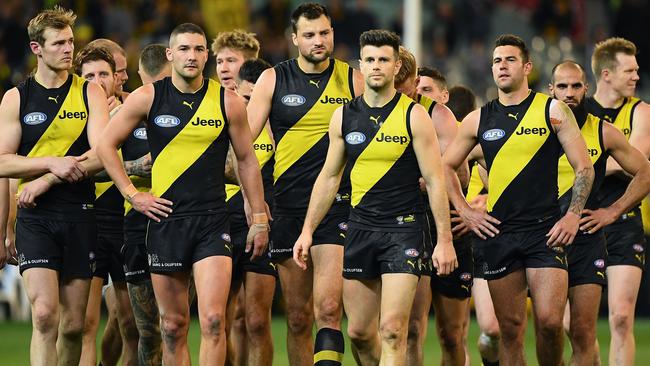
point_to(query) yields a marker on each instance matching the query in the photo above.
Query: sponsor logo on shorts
(638, 248)
(355, 138)
(352, 270)
(140, 133)
(601, 274)
(465, 276)
(343, 226)
(494, 271)
(225, 237)
(91, 256)
(466, 288)
(152, 259)
(35, 118)
(599, 263)
(493, 134)
(558, 249)
(87, 206)
(401, 220)
(166, 120)
(342, 197)
(293, 100)
(413, 263)
(21, 259)
(413, 253)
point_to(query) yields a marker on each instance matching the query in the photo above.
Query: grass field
(14, 343)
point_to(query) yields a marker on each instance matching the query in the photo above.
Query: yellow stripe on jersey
(102, 187)
(190, 143)
(314, 124)
(66, 127)
(263, 155)
(590, 132)
(624, 117)
(475, 184)
(426, 102)
(378, 157)
(645, 214)
(328, 356)
(517, 151)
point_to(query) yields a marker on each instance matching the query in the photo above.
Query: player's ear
(398, 66)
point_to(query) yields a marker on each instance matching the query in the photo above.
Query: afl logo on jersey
(293, 100)
(140, 133)
(355, 138)
(493, 134)
(166, 120)
(34, 118)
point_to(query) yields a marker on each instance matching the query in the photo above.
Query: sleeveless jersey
(53, 123)
(134, 147)
(383, 167)
(521, 152)
(301, 110)
(188, 138)
(109, 203)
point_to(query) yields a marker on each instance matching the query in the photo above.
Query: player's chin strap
(260, 224)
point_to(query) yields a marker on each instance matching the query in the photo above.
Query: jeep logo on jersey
(330, 100)
(592, 152)
(263, 147)
(78, 115)
(532, 131)
(216, 123)
(388, 138)
(166, 120)
(34, 118)
(493, 134)
(293, 100)
(355, 138)
(140, 133)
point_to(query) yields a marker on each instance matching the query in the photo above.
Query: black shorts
(369, 254)
(510, 251)
(174, 245)
(458, 284)
(626, 244)
(241, 261)
(587, 258)
(285, 230)
(66, 247)
(108, 257)
(136, 267)
(477, 254)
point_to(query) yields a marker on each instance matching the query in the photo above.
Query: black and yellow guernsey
(109, 206)
(188, 138)
(591, 128)
(301, 110)
(384, 171)
(134, 147)
(53, 123)
(614, 186)
(521, 151)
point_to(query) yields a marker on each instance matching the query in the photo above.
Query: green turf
(14, 343)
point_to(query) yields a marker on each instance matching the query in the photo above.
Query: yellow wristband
(260, 218)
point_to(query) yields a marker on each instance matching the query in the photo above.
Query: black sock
(488, 363)
(329, 347)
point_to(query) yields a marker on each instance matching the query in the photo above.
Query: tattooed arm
(230, 173)
(564, 123)
(140, 167)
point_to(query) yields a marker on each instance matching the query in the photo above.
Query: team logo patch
(166, 120)
(599, 263)
(225, 237)
(638, 248)
(35, 118)
(493, 134)
(140, 133)
(153, 259)
(465, 276)
(355, 138)
(343, 226)
(413, 253)
(293, 100)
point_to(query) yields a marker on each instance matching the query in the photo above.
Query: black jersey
(53, 123)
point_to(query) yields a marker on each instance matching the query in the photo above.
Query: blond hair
(409, 66)
(237, 40)
(57, 18)
(111, 46)
(604, 56)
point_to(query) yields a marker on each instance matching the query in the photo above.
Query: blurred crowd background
(457, 35)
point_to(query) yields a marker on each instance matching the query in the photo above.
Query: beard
(317, 59)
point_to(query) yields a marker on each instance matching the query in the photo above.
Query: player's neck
(607, 97)
(312, 68)
(514, 97)
(378, 98)
(49, 78)
(187, 85)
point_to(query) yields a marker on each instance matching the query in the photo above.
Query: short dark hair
(89, 54)
(309, 11)
(461, 101)
(251, 69)
(568, 62)
(516, 41)
(153, 59)
(434, 74)
(187, 28)
(380, 37)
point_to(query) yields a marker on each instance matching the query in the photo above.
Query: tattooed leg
(147, 321)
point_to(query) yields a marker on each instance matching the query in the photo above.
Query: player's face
(57, 49)
(379, 65)
(625, 75)
(508, 68)
(188, 53)
(99, 71)
(245, 89)
(314, 38)
(228, 63)
(429, 88)
(120, 70)
(569, 85)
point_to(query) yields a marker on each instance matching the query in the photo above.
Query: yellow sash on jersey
(263, 156)
(590, 132)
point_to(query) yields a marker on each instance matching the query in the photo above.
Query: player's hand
(68, 168)
(595, 220)
(248, 212)
(151, 206)
(564, 231)
(301, 250)
(444, 258)
(480, 222)
(10, 244)
(113, 103)
(257, 239)
(458, 227)
(27, 196)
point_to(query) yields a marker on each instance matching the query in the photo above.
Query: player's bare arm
(134, 110)
(427, 151)
(639, 137)
(479, 222)
(446, 127)
(357, 82)
(633, 163)
(325, 188)
(564, 123)
(248, 170)
(259, 106)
